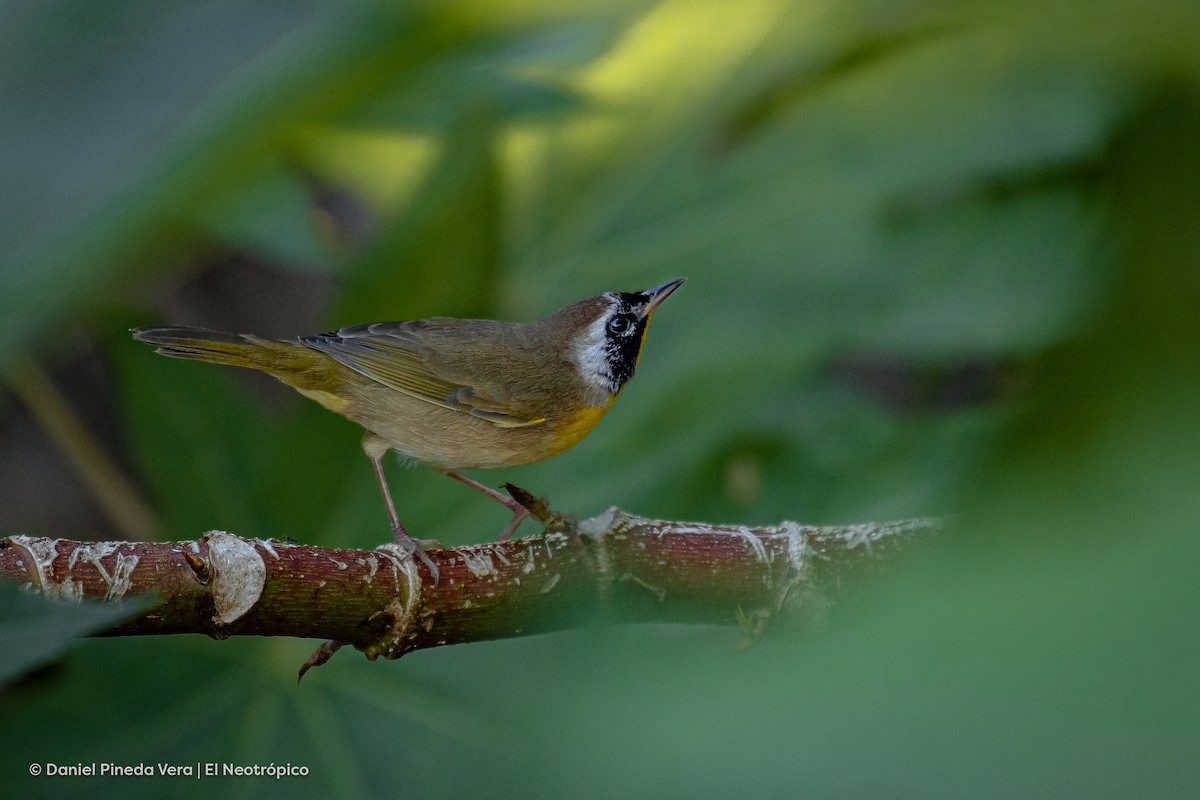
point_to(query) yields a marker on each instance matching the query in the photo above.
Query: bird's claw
(433, 568)
(413, 547)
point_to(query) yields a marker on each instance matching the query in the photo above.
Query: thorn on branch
(319, 657)
(199, 566)
(539, 509)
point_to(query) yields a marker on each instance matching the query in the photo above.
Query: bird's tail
(236, 349)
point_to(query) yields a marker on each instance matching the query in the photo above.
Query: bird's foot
(413, 547)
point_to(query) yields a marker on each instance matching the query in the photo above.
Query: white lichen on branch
(239, 575)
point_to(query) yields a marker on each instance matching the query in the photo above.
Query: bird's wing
(404, 356)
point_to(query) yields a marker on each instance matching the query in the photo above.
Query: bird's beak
(658, 294)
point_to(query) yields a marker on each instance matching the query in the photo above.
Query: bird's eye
(618, 325)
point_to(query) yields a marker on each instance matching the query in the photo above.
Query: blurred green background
(944, 258)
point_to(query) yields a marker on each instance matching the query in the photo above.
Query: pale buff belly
(449, 439)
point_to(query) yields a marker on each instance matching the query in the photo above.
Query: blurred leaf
(179, 106)
(216, 459)
(936, 185)
(103, 143)
(863, 52)
(198, 442)
(443, 252)
(34, 630)
(272, 218)
(242, 695)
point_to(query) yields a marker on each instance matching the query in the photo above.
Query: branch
(614, 568)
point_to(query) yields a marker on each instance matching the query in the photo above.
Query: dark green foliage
(943, 257)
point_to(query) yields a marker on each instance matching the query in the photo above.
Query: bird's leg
(371, 445)
(520, 512)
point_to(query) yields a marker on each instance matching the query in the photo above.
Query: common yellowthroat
(453, 393)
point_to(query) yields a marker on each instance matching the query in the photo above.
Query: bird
(453, 393)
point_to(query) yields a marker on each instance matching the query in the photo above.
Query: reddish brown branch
(614, 567)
